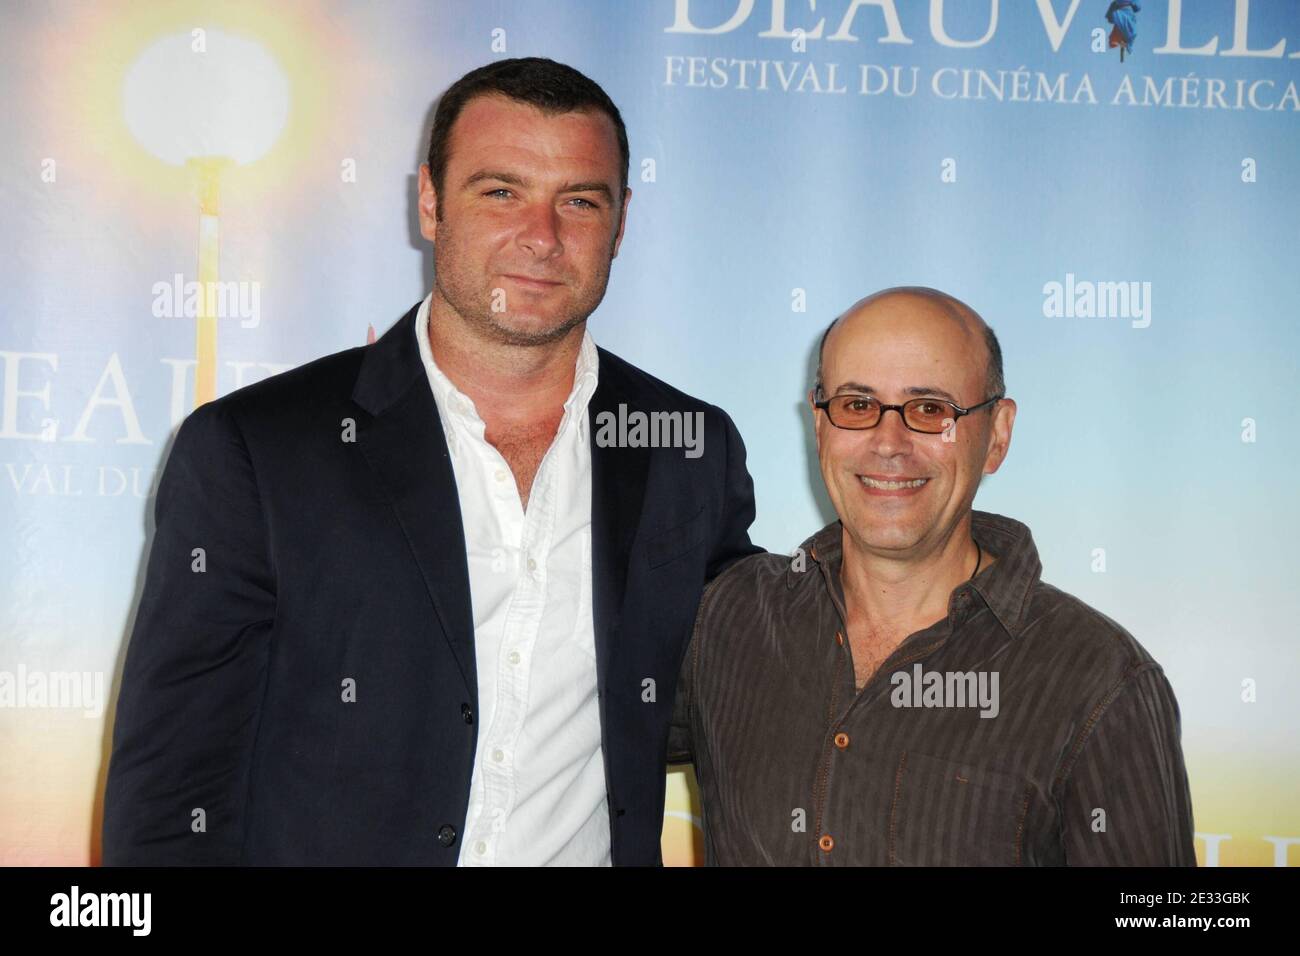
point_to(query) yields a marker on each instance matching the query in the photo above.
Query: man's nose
(891, 437)
(539, 232)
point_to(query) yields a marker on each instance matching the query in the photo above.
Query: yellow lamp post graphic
(206, 100)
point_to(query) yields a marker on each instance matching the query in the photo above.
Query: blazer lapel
(618, 480)
(405, 446)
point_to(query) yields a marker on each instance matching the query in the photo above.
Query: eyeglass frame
(958, 411)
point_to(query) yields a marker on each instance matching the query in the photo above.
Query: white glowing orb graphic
(230, 100)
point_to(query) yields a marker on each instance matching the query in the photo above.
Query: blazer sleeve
(196, 665)
(730, 544)
(681, 743)
(731, 540)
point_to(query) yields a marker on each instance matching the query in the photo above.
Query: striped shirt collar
(1005, 587)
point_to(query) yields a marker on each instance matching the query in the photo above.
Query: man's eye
(497, 192)
(859, 404)
(587, 203)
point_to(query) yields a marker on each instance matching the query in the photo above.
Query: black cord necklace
(979, 556)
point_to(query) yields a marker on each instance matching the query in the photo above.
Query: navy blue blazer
(288, 560)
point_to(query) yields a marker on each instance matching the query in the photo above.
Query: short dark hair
(994, 380)
(550, 86)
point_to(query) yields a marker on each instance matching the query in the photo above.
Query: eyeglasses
(930, 416)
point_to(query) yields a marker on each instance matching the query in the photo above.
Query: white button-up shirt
(537, 792)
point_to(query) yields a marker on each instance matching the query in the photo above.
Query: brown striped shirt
(1077, 759)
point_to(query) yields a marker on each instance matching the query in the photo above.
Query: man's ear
(622, 222)
(817, 432)
(428, 204)
(1004, 418)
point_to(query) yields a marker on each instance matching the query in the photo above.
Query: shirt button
(480, 847)
(826, 843)
(498, 755)
(446, 834)
(532, 565)
(842, 740)
(839, 638)
(467, 713)
(514, 657)
(501, 474)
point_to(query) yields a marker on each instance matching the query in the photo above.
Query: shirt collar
(452, 402)
(1005, 587)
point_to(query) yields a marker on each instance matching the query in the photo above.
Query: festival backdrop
(1118, 197)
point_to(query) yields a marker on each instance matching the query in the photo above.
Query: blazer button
(446, 834)
(467, 713)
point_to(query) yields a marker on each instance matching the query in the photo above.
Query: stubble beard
(475, 306)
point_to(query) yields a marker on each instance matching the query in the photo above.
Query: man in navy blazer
(359, 642)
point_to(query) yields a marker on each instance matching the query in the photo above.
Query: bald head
(922, 303)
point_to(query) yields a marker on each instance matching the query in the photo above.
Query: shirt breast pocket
(952, 813)
(676, 541)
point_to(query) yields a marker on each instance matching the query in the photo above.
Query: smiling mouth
(892, 485)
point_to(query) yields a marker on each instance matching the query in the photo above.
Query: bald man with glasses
(907, 690)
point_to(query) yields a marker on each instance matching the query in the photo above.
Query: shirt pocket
(954, 813)
(676, 541)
